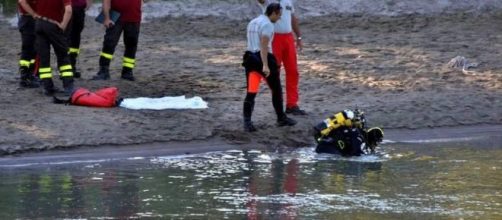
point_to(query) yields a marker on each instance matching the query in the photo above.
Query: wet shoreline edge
(212, 144)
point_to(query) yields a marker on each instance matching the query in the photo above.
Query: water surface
(405, 181)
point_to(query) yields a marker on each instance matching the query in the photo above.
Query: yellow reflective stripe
(24, 63)
(129, 60)
(106, 55)
(32, 61)
(65, 67)
(66, 74)
(129, 65)
(45, 70)
(74, 50)
(45, 75)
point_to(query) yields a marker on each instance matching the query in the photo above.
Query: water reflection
(404, 182)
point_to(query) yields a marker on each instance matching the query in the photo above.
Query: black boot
(248, 126)
(27, 78)
(73, 62)
(127, 74)
(247, 112)
(49, 89)
(285, 121)
(103, 74)
(68, 85)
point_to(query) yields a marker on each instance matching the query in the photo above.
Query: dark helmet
(374, 136)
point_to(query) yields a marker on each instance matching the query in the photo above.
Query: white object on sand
(168, 102)
(461, 62)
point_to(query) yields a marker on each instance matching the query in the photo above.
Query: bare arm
(264, 54)
(66, 17)
(28, 8)
(296, 29)
(106, 12)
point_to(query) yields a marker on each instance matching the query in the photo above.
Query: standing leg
(253, 79)
(291, 69)
(59, 42)
(111, 39)
(274, 83)
(43, 50)
(251, 63)
(75, 29)
(131, 35)
(27, 60)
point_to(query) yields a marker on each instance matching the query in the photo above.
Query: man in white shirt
(284, 50)
(259, 63)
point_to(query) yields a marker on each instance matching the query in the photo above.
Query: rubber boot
(127, 74)
(49, 89)
(285, 121)
(248, 111)
(27, 78)
(68, 85)
(103, 74)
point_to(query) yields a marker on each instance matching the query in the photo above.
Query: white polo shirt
(284, 24)
(258, 27)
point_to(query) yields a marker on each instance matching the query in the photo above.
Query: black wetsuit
(343, 141)
(252, 62)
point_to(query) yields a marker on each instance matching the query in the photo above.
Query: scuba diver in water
(345, 134)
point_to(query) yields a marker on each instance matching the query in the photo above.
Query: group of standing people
(59, 23)
(272, 42)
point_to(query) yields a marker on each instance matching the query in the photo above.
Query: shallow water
(406, 181)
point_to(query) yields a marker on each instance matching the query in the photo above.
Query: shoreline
(87, 154)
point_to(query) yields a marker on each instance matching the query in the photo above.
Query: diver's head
(374, 136)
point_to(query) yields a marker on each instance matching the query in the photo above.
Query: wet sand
(480, 136)
(394, 68)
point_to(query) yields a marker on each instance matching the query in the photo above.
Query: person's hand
(108, 23)
(266, 71)
(299, 44)
(61, 26)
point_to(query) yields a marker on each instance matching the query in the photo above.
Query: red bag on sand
(106, 97)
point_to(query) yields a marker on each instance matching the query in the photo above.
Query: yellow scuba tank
(343, 118)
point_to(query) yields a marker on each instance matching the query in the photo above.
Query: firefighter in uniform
(260, 64)
(129, 23)
(345, 134)
(284, 50)
(26, 25)
(54, 16)
(75, 29)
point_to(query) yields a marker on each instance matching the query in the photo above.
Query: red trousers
(284, 49)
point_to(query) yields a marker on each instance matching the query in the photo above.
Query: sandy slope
(391, 67)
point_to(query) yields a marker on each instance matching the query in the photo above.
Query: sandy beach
(392, 67)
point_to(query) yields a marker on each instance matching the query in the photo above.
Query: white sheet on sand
(168, 102)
